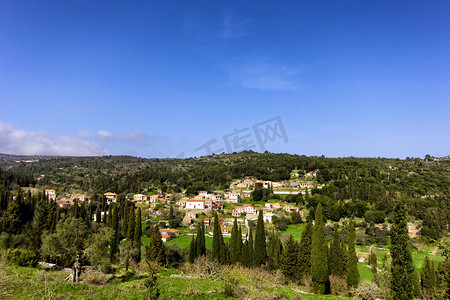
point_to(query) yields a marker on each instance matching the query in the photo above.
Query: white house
(51, 194)
(311, 174)
(216, 197)
(233, 195)
(110, 197)
(203, 193)
(268, 217)
(153, 198)
(237, 211)
(305, 185)
(250, 209)
(165, 237)
(195, 204)
(290, 208)
(139, 197)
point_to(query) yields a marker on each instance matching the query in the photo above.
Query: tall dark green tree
(137, 236)
(75, 209)
(402, 268)
(216, 239)
(288, 263)
(115, 240)
(428, 279)
(336, 264)
(304, 253)
(352, 259)
(373, 264)
(233, 244)
(11, 221)
(131, 225)
(40, 223)
(250, 247)
(344, 254)
(275, 251)
(156, 251)
(192, 250)
(244, 258)
(200, 243)
(319, 254)
(260, 250)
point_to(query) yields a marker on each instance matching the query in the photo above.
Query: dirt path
(437, 247)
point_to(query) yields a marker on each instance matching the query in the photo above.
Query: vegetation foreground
(201, 280)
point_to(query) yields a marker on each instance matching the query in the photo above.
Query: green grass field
(30, 283)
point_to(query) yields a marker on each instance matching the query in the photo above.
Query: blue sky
(163, 78)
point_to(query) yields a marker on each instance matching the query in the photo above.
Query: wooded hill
(351, 185)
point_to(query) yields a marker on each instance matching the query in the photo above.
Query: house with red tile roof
(165, 237)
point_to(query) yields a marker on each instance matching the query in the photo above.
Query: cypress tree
(275, 251)
(115, 239)
(250, 248)
(224, 252)
(125, 221)
(428, 279)
(260, 251)
(336, 264)
(289, 264)
(344, 255)
(352, 260)
(373, 263)
(98, 215)
(402, 268)
(200, 242)
(239, 241)
(156, 251)
(75, 209)
(192, 250)
(216, 239)
(319, 253)
(244, 255)
(171, 213)
(137, 236)
(131, 225)
(233, 244)
(11, 220)
(109, 221)
(304, 253)
(40, 223)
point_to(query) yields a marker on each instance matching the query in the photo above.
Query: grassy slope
(28, 283)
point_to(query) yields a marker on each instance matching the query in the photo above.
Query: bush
(338, 286)
(92, 276)
(366, 291)
(8, 241)
(202, 267)
(23, 258)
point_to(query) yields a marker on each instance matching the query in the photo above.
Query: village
(234, 203)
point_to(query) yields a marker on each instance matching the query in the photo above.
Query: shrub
(23, 258)
(338, 286)
(366, 291)
(307, 282)
(12, 240)
(202, 267)
(93, 276)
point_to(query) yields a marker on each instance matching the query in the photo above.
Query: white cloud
(84, 134)
(233, 27)
(17, 141)
(262, 75)
(103, 134)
